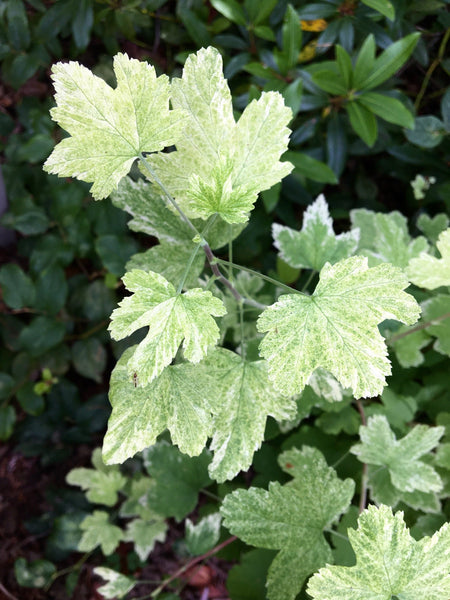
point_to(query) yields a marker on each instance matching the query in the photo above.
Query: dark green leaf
(291, 40)
(82, 23)
(390, 61)
(311, 168)
(89, 358)
(247, 580)
(7, 420)
(310, 12)
(51, 290)
(336, 145)
(33, 574)
(363, 122)
(195, 26)
(231, 10)
(259, 10)
(330, 81)
(345, 66)
(40, 335)
(20, 68)
(292, 95)
(36, 149)
(445, 109)
(17, 288)
(428, 132)
(384, 7)
(178, 479)
(32, 403)
(6, 385)
(18, 31)
(365, 61)
(389, 109)
(115, 251)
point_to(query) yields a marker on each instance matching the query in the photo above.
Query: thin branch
(436, 62)
(363, 496)
(7, 594)
(399, 336)
(192, 563)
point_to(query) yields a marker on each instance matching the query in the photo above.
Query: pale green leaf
(178, 400)
(178, 479)
(102, 483)
(407, 346)
(390, 563)
(430, 272)
(316, 243)
(109, 127)
(436, 311)
(204, 535)
(385, 7)
(136, 502)
(220, 166)
(117, 585)
(172, 319)
(244, 399)
(408, 473)
(291, 518)
(433, 227)
(144, 535)
(98, 531)
(337, 327)
(385, 238)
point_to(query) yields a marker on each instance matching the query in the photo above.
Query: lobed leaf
(337, 327)
(430, 272)
(390, 563)
(109, 128)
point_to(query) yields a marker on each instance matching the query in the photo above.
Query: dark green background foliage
(360, 135)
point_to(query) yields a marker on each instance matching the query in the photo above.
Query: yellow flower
(316, 25)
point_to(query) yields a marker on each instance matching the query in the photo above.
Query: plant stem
(337, 534)
(399, 336)
(363, 495)
(431, 68)
(261, 276)
(241, 324)
(308, 281)
(170, 198)
(7, 594)
(194, 253)
(191, 563)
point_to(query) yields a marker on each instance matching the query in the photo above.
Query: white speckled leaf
(316, 243)
(390, 563)
(145, 534)
(291, 518)
(117, 585)
(220, 166)
(109, 127)
(244, 398)
(379, 446)
(172, 319)
(430, 272)
(337, 327)
(178, 400)
(385, 238)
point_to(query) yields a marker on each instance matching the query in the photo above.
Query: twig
(191, 563)
(5, 591)
(436, 62)
(429, 323)
(363, 496)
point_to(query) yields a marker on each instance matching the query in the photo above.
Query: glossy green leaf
(89, 358)
(173, 319)
(316, 243)
(390, 61)
(330, 81)
(364, 62)
(291, 518)
(427, 132)
(337, 327)
(385, 7)
(430, 272)
(344, 63)
(245, 398)
(108, 127)
(98, 531)
(220, 166)
(363, 122)
(291, 36)
(116, 586)
(389, 563)
(7, 420)
(408, 473)
(230, 9)
(311, 168)
(179, 400)
(178, 479)
(17, 288)
(389, 109)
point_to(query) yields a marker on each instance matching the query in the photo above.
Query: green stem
(337, 534)
(399, 336)
(194, 253)
(261, 276)
(153, 176)
(364, 476)
(436, 62)
(241, 324)
(308, 281)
